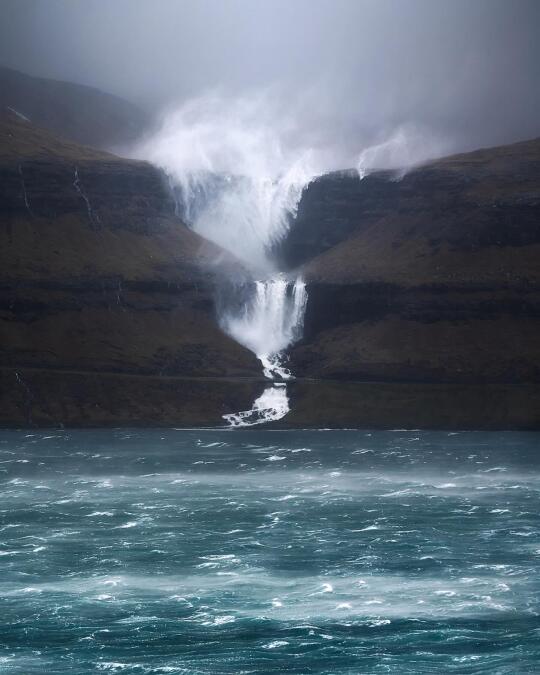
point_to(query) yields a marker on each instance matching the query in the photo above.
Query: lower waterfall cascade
(269, 322)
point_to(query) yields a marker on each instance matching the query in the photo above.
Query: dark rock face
(53, 398)
(111, 196)
(398, 405)
(332, 208)
(105, 296)
(81, 114)
(434, 278)
(467, 202)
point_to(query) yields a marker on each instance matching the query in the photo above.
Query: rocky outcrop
(81, 114)
(102, 286)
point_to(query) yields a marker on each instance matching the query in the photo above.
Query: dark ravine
(423, 310)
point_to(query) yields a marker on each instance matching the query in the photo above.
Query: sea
(209, 552)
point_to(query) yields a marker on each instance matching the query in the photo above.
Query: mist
(354, 73)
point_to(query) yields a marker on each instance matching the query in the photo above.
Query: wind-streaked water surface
(214, 552)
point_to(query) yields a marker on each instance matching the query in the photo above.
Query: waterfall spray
(238, 181)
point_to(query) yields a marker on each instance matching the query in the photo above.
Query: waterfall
(270, 320)
(247, 215)
(237, 175)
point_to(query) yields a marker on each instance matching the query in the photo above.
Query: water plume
(236, 171)
(238, 177)
(402, 150)
(237, 168)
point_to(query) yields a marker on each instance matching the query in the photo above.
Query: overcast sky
(467, 71)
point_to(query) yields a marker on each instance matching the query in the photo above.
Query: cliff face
(106, 298)
(424, 295)
(78, 113)
(432, 278)
(471, 217)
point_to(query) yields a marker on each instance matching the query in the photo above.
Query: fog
(454, 75)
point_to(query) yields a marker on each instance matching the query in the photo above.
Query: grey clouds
(466, 71)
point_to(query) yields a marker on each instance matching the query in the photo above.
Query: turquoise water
(221, 552)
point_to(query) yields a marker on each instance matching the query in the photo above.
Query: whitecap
(367, 529)
(225, 556)
(114, 666)
(220, 620)
(275, 644)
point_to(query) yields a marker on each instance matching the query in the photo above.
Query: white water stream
(269, 322)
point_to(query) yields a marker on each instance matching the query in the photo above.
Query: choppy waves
(260, 552)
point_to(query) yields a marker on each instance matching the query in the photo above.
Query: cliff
(428, 279)
(423, 310)
(106, 298)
